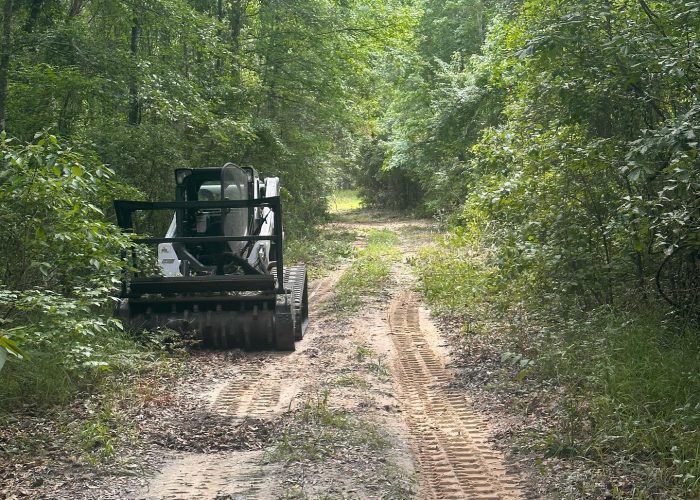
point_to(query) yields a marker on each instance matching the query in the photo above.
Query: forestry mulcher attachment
(223, 279)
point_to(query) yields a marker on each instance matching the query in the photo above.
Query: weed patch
(98, 435)
(368, 272)
(40, 382)
(372, 361)
(317, 432)
(49, 378)
(321, 251)
(78, 414)
(351, 380)
(456, 278)
(365, 216)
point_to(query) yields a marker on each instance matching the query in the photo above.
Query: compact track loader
(222, 277)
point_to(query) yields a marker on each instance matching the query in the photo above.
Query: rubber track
(455, 460)
(296, 277)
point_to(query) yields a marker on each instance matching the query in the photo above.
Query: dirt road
(364, 408)
(385, 371)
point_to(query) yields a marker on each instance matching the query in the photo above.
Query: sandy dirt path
(455, 459)
(365, 408)
(265, 386)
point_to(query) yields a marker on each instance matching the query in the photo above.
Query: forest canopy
(150, 86)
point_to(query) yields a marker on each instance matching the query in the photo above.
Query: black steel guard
(125, 208)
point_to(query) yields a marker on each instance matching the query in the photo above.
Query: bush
(618, 386)
(62, 260)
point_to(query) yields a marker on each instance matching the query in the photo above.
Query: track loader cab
(230, 183)
(223, 276)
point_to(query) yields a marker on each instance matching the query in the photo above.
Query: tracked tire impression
(322, 290)
(253, 394)
(205, 477)
(454, 458)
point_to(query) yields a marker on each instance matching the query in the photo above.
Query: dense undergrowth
(617, 388)
(319, 250)
(61, 257)
(319, 432)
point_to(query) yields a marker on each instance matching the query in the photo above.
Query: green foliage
(379, 239)
(587, 150)
(631, 391)
(568, 130)
(62, 258)
(54, 233)
(41, 382)
(285, 87)
(382, 186)
(65, 365)
(619, 388)
(351, 380)
(10, 346)
(321, 251)
(368, 272)
(441, 99)
(97, 438)
(372, 361)
(455, 276)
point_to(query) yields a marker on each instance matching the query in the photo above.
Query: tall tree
(7, 11)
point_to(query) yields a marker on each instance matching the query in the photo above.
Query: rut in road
(454, 458)
(258, 392)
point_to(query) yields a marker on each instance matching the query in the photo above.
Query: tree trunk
(34, 12)
(5, 59)
(236, 23)
(75, 7)
(135, 103)
(218, 63)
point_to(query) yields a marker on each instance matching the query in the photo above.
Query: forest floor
(368, 406)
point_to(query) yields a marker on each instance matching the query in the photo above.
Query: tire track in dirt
(322, 289)
(252, 395)
(454, 458)
(209, 476)
(239, 475)
(257, 392)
